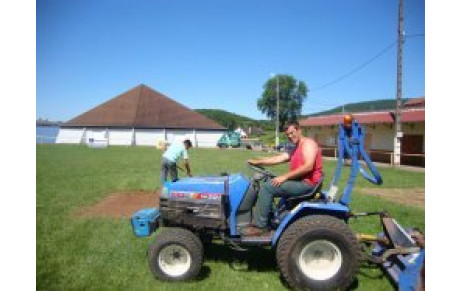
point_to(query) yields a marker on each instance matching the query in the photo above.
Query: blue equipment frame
(351, 142)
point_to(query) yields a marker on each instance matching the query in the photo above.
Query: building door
(412, 144)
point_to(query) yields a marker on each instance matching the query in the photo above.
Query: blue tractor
(315, 247)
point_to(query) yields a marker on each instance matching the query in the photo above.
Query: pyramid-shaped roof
(142, 107)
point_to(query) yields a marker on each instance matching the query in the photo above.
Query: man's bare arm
(187, 168)
(270, 161)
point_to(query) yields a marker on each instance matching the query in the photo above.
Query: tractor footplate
(257, 240)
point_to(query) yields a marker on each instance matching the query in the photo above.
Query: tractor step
(257, 240)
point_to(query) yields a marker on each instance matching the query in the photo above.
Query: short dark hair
(188, 143)
(294, 123)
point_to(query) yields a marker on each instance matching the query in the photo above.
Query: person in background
(170, 158)
(305, 172)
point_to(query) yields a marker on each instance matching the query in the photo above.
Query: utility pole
(277, 139)
(398, 130)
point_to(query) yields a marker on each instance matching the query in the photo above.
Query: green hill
(232, 120)
(375, 105)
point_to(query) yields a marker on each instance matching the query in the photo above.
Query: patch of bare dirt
(409, 196)
(120, 204)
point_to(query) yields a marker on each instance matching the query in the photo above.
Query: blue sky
(218, 54)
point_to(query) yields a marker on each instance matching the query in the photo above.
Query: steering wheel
(261, 170)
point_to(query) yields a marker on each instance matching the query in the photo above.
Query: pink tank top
(297, 161)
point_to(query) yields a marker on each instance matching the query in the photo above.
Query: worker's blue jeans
(168, 166)
(268, 192)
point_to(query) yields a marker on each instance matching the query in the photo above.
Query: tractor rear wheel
(318, 252)
(176, 254)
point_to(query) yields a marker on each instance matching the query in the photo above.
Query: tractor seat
(308, 195)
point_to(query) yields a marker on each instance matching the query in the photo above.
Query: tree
(291, 96)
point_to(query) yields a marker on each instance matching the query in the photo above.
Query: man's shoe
(254, 231)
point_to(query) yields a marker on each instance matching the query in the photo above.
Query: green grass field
(103, 254)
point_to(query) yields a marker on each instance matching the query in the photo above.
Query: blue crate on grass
(144, 221)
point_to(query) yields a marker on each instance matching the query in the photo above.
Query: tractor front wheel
(318, 252)
(176, 254)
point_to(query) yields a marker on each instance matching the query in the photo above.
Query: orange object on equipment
(347, 120)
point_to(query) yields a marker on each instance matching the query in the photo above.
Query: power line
(355, 69)
(358, 68)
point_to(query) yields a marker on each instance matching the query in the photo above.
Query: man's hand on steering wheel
(253, 162)
(255, 166)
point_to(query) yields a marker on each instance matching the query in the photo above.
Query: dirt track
(120, 204)
(411, 196)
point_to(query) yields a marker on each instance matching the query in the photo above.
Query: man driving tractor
(305, 171)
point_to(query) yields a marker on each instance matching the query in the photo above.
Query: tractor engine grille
(195, 213)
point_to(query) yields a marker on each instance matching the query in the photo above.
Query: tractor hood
(206, 187)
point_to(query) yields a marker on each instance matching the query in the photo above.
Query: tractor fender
(306, 208)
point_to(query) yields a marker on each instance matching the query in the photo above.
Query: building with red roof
(141, 116)
(379, 128)
(415, 103)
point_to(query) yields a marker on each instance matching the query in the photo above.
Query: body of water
(46, 134)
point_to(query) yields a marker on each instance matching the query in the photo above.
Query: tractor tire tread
(296, 229)
(183, 237)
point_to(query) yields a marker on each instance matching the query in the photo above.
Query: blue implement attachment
(144, 222)
(351, 145)
(400, 255)
(412, 278)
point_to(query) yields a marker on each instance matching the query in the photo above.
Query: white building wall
(325, 135)
(199, 138)
(177, 136)
(70, 135)
(120, 136)
(208, 139)
(149, 137)
(381, 135)
(414, 128)
(97, 134)
(144, 137)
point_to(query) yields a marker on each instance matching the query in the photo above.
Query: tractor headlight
(164, 192)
